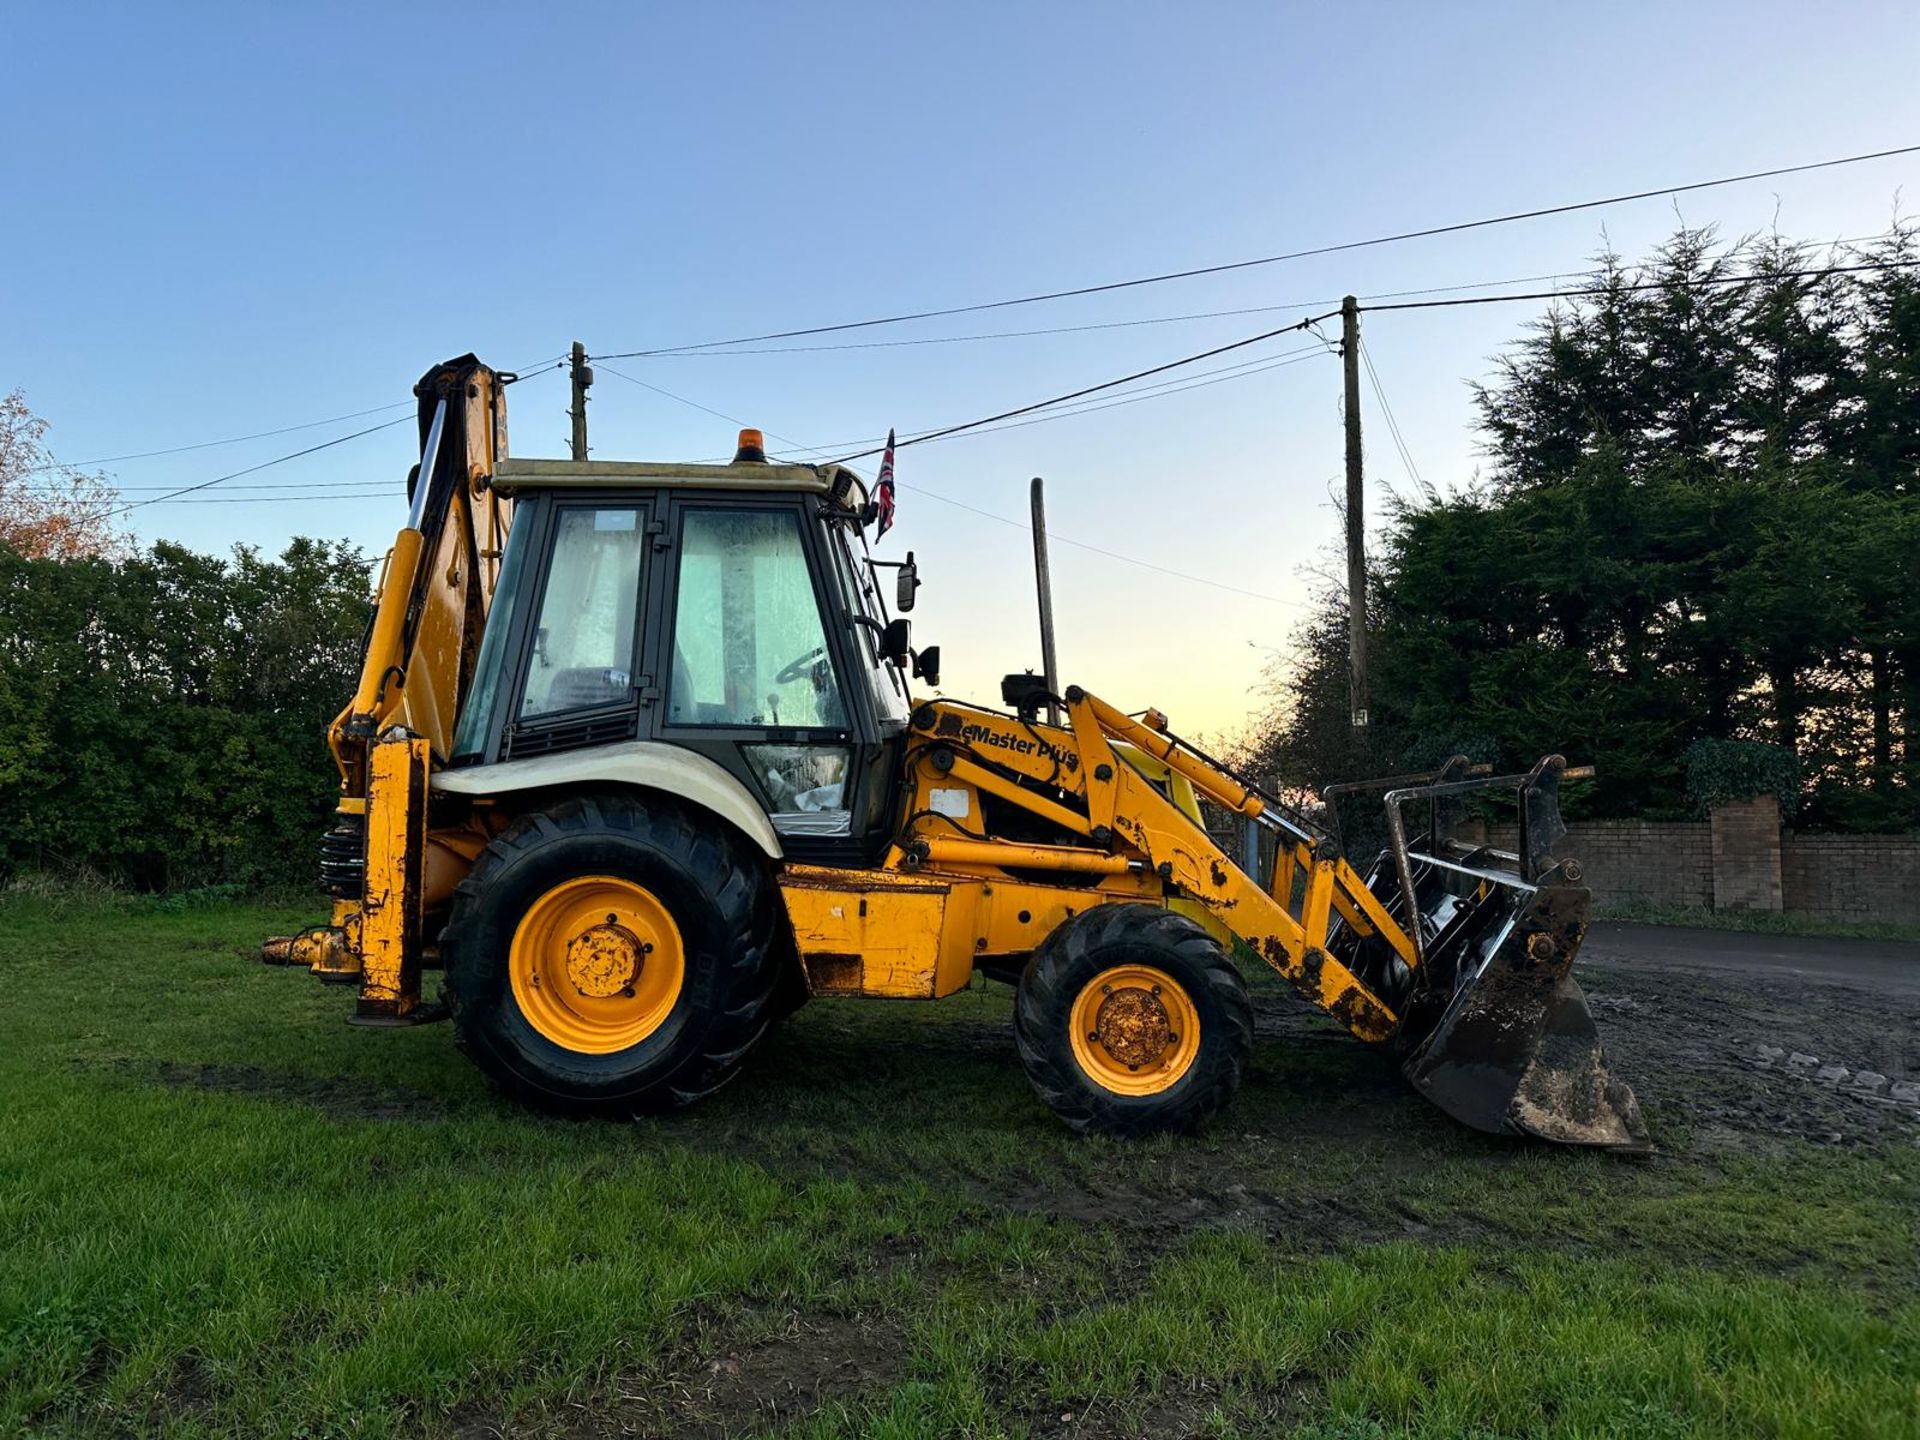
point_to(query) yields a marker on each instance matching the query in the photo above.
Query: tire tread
(748, 974)
(1069, 957)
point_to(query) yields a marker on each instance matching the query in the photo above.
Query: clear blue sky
(227, 218)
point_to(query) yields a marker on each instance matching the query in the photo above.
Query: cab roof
(513, 474)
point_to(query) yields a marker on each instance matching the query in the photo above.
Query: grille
(569, 735)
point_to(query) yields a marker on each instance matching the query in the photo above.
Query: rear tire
(679, 879)
(1110, 1053)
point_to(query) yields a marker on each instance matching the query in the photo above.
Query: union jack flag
(883, 490)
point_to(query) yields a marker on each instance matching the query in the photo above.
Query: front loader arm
(1126, 821)
(1292, 941)
(1462, 962)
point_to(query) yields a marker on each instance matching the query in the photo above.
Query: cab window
(860, 595)
(749, 647)
(583, 636)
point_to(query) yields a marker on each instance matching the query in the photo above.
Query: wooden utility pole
(582, 381)
(1356, 516)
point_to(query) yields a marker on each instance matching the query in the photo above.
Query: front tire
(612, 955)
(1130, 1020)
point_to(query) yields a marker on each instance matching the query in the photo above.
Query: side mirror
(926, 666)
(905, 584)
(897, 640)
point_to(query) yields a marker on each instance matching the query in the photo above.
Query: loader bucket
(1515, 1051)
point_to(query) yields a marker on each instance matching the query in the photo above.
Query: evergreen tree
(1699, 521)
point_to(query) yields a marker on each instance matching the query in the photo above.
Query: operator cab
(732, 610)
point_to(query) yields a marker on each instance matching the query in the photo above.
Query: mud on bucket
(1515, 1052)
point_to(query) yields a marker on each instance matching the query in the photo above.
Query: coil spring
(343, 858)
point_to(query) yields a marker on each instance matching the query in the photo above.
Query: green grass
(223, 1212)
(1754, 922)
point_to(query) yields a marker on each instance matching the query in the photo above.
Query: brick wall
(1646, 861)
(1852, 877)
(1740, 859)
(1746, 854)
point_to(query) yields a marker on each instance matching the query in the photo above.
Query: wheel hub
(1134, 1030)
(597, 964)
(605, 960)
(1133, 1027)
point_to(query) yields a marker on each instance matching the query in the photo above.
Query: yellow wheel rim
(597, 964)
(1135, 1030)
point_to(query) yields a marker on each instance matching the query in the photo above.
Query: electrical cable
(215, 444)
(386, 491)
(175, 495)
(1393, 425)
(1644, 285)
(1055, 537)
(695, 404)
(263, 465)
(1149, 392)
(1290, 357)
(1185, 360)
(525, 372)
(1425, 233)
(266, 485)
(1149, 320)
(558, 362)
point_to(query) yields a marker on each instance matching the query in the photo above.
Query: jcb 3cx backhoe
(635, 761)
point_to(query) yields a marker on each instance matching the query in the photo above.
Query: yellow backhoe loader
(640, 760)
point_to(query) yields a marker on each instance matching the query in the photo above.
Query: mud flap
(1515, 1051)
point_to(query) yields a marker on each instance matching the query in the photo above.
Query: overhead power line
(1198, 381)
(1742, 279)
(174, 495)
(989, 514)
(551, 363)
(333, 484)
(263, 465)
(925, 436)
(1055, 537)
(215, 444)
(661, 390)
(1292, 305)
(929, 435)
(525, 372)
(1393, 425)
(384, 491)
(1334, 249)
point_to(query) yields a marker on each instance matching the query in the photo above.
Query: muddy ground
(1749, 1057)
(1325, 1148)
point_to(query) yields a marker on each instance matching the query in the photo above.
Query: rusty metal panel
(880, 933)
(396, 848)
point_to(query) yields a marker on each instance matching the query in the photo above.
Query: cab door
(754, 663)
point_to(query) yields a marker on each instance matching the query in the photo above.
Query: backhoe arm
(438, 580)
(435, 591)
